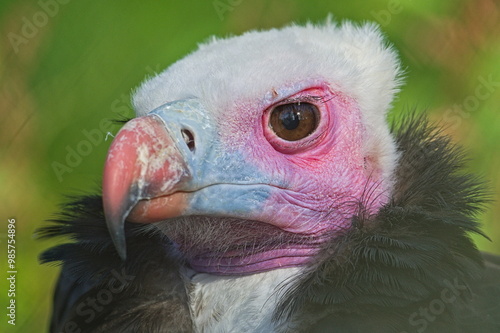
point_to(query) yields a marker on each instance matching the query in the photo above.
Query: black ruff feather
(412, 267)
(389, 271)
(143, 294)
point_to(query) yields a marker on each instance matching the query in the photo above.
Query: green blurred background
(68, 66)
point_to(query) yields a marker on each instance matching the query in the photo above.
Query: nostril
(188, 137)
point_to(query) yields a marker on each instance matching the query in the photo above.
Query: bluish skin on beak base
(150, 160)
(223, 183)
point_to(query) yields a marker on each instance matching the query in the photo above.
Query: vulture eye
(294, 121)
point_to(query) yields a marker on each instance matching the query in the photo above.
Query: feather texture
(386, 268)
(412, 267)
(97, 292)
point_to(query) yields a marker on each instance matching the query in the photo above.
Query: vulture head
(260, 189)
(253, 151)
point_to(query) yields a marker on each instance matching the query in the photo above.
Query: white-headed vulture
(260, 189)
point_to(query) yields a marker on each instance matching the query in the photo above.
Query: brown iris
(294, 121)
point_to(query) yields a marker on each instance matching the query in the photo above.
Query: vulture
(260, 188)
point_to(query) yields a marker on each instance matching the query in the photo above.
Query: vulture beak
(180, 160)
(144, 175)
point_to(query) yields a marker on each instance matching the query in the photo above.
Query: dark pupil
(290, 119)
(294, 121)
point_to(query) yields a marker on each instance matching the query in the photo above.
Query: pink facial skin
(246, 201)
(311, 187)
(320, 181)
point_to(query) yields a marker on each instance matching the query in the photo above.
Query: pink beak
(143, 178)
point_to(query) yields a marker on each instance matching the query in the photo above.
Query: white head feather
(352, 59)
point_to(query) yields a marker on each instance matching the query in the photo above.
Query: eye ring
(294, 121)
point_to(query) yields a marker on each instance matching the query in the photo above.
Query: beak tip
(116, 228)
(136, 169)
(118, 238)
(122, 252)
